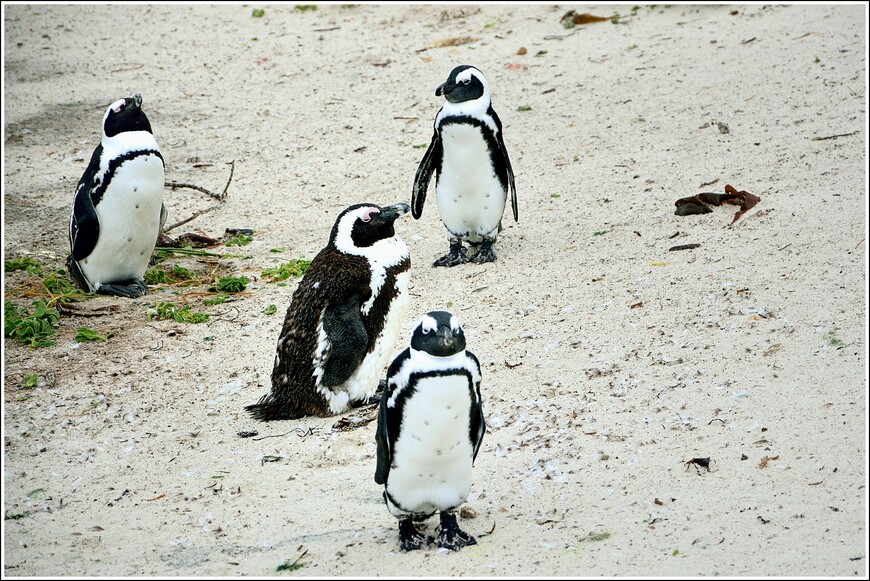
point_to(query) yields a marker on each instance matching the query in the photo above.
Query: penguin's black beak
(445, 88)
(448, 342)
(390, 213)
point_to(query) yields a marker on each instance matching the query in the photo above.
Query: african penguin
(343, 320)
(430, 425)
(118, 210)
(473, 170)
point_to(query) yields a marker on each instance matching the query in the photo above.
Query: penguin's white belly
(364, 381)
(433, 456)
(471, 199)
(129, 217)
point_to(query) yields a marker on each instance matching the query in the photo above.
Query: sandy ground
(609, 361)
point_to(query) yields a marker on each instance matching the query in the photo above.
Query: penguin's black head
(465, 83)
(125, 115)
(439, 334)
(361, 225)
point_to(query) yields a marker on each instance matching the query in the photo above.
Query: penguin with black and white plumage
(343, 320)
(473, 171)
(118, 211)
(430, 426)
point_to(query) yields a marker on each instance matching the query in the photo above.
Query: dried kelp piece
(583, 18)
(698, 204)
(691, 205)
(748, 201)
(698, 463)
(715, 199)
(683, 247)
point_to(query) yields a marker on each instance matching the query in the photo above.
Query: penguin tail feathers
(266, 411)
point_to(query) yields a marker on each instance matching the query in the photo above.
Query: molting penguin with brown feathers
(343, 319)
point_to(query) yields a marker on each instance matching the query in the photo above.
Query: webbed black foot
(450, 536)
(130, 289)
(485, 253)
(454, 257)
(410, 539)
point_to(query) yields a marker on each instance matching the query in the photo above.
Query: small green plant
(420, 145)
(31, 380)
(523, 108)
(155, 276)
(270, 310)
(61, 290)
(632, 46)
(176, 313)
(176, 274)
(183, 273)
(600, 232)
(831, 338)
(555, 195)
(32, 329)
(294, 267)
(218, 299)
(541, 53)
(305, 7)
(230, 284)
(26, 263)
(276, 250)
(290, 565)
(258, 13)
(84, 335)
(239, 240)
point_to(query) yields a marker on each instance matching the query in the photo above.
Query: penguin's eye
(426, 330)
(465, 81)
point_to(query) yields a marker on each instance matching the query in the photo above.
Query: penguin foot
(485, 253)
(454, 257)
(450, 536)
(410, 539)
(131, 289)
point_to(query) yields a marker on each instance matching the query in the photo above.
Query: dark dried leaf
(584, 18)
(748, 201)
(689, 206)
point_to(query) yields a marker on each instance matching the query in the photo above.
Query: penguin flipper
(478, 423)
(430, 162)
(507, 162)
(382, 438)
(84, 226)
(348, 339)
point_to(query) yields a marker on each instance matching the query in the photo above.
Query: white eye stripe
(428, 324)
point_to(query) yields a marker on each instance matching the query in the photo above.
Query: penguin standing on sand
(343, 319)
(473, 170)
(118, 210)
(430, 425)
